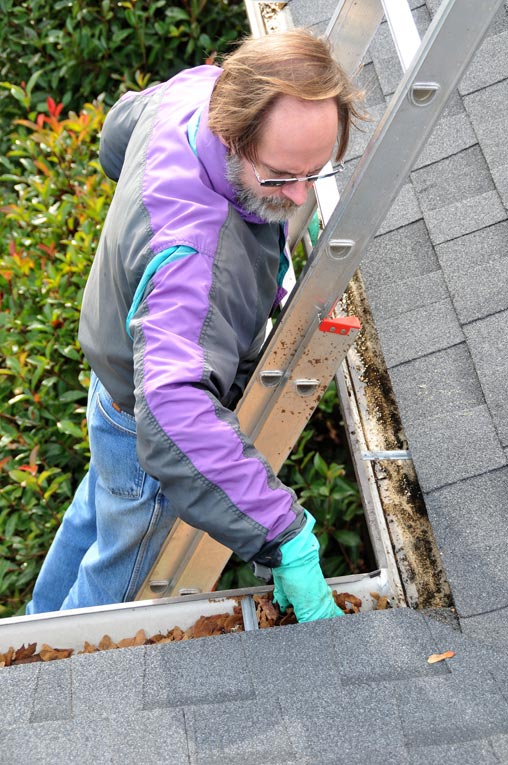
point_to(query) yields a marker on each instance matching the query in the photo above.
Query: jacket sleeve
(191, 337)
(116, 132)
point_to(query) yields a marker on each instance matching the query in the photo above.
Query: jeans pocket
(113, 448)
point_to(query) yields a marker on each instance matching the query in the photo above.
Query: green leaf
(73, 395)
(11, 524)
(70, 428)
(348, 538)
(320, 465)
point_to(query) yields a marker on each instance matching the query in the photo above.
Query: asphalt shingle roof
(446, 348)
(356, 689)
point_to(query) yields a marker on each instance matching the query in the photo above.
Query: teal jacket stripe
(160, 260)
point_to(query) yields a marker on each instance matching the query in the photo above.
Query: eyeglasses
(274, 182)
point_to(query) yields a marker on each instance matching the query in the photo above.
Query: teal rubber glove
(299, 581)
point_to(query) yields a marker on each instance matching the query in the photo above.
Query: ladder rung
(351, 29)
(403, 29)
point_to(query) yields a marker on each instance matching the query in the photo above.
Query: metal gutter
(349, 398)
(70, 629)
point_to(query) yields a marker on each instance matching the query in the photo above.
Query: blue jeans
(114, 529)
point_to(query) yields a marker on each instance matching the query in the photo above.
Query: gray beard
(270, 209)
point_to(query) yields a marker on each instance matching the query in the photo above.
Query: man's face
(298, 140)
(267, 204)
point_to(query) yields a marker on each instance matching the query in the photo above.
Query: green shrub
(48, 233)
(75, 50)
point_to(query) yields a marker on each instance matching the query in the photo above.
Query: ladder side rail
(300, 221)
(449, 44)
(386, 163)
(255, 18)
(328, 197)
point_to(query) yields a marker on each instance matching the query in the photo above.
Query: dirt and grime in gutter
(411, 533)
(270, 14)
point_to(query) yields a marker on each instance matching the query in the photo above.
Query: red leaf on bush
(53, 108)
(29, 468)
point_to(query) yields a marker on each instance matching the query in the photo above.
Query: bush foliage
(48, 234)
(54, 205)
(74, 50)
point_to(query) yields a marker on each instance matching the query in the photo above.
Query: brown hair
(260, 70)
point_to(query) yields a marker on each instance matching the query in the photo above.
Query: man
(188, 269)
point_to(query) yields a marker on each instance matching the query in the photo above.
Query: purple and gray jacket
(175, 310)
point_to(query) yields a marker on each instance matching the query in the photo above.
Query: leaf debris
(380, 600)
(206, 626)
(267, 612)
(350, 604)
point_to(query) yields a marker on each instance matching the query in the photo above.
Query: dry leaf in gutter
(25, 655)
(380, 600)
(138, 639)
(47, 653)
(106, 644)
(350, 604)
(88, 648)
(6, 659)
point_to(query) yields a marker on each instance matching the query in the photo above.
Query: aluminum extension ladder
(307, 345)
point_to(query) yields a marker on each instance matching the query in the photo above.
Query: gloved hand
(299, 580)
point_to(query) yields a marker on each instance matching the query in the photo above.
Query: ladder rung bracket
(340, 248)
(291, 404)
(343, 325)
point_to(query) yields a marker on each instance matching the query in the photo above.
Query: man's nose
(296, 192)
